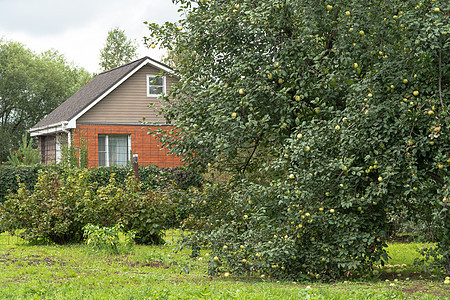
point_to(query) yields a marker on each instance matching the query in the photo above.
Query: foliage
(25, 155)
(118, 50)
(346, 104)
(150, 176)
(31, 86)
(9, 176)
(62, 203)
(277, 232)
(108, 238)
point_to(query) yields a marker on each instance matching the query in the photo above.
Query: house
(105, 116)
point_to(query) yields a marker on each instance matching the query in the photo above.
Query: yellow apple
(344, 168)
(380, 179)
(241, 91)
(332, 210)
(361, 32)
(415, 93)
(152, 46)
(369, 95)
(436, 9)
(355, 65)
(405, 80)
(347, 13)
(236, 5)
(269, 76)
(307, 148)
(234, 115)
(441, 166)
(329, 7)
(180, 28)
(297, 98)
(280, 81)
(337, 127)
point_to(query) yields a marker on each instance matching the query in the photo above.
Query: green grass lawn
(155, 272)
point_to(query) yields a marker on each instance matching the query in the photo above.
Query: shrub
(60, 206)
(150, 176)
(108, 238)
(25, 155)
(53, 211)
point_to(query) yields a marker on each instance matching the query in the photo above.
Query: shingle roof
(89, 93)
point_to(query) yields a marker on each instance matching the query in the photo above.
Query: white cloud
(78, 29)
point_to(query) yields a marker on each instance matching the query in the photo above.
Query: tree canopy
(118, 50)
(344, 103)
(31, 86)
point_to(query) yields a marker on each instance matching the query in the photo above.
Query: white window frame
(107, 148)
(154, 76)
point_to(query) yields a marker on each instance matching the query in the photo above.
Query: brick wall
(143, 144)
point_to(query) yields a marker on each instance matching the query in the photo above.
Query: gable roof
(90, 94)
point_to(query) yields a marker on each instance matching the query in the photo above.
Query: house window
(114, 150)
(156, 85)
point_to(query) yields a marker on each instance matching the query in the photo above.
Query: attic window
(156, 85)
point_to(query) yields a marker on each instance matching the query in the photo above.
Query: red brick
(143, 144)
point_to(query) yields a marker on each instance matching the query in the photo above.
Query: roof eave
(49, 129)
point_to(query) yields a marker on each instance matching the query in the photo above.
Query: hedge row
(151, 176)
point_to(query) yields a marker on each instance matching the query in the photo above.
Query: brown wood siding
(128, 103)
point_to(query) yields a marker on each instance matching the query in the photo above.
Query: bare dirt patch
(33, 260)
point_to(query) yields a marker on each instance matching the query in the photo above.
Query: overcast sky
(78, 28)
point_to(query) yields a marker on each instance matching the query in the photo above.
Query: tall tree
(347, 100)
(118, 50)
(31, 86)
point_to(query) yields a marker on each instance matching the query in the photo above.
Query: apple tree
(330, 114)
